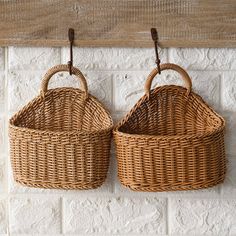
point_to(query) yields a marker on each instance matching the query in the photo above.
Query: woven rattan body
(61, 139)
(171, 140)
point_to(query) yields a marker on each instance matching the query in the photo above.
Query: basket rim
(220, 128)
(50, 132)
(167, 137)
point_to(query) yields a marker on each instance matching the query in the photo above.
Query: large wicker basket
(61, 139)
(170, 140)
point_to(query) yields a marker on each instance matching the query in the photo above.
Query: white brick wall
(116, 76)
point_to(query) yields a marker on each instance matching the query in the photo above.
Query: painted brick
(229, 91)
(119, 215)
(221, 58)
(204, 58)
(100, 86)
(32, 58)
(22, 87)
(207, 85)
(230, 134)
(34, 215)
(3, 177)
(2, 59)
(229, 185)
(129, 87)
(114, 58)
(139, 58)
(3, 216)
(202, 217)
(37, 235)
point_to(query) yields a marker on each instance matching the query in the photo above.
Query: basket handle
(168, 66)
(59, 68)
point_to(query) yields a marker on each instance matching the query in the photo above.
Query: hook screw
(155, 40)
(71, 36)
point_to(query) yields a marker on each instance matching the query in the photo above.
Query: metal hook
(71, 35)
(155, 40)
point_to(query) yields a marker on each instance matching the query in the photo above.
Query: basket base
(171, 187)
(65, 186)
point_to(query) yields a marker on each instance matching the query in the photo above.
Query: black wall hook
(71, 36)
(155, 40)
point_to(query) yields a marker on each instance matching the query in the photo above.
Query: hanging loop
(169, 66)
(59, 68)
(71, 36)
(155, 40)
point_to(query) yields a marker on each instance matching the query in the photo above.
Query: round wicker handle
(169, 66)
(59, 68)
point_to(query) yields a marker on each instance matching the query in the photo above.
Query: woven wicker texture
(61, 139)
(170, 140)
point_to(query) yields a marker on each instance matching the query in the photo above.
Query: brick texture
(34, 215)
(202, 217)
(229, 91)
(113, 58)
(28, 58)
(115, 216)
(116, 76)
(3, 216)
(204, 58)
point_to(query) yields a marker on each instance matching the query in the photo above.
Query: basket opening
(169, 112)
(64, 109)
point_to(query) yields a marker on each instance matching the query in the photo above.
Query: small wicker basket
(170, 140)
(61, 139)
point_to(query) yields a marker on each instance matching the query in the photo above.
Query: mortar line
(152, 67)
(112, 92)
(146, 70)
(6, 100)
(62, 215)
(112, 161)
(6, 146)
(113, 108)
(221, 109)
(221, 90)
(167, 216)
(120, 194)
(168, 55)
(61, 54)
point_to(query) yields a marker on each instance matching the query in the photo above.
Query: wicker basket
(61, 139)
(170, 140)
